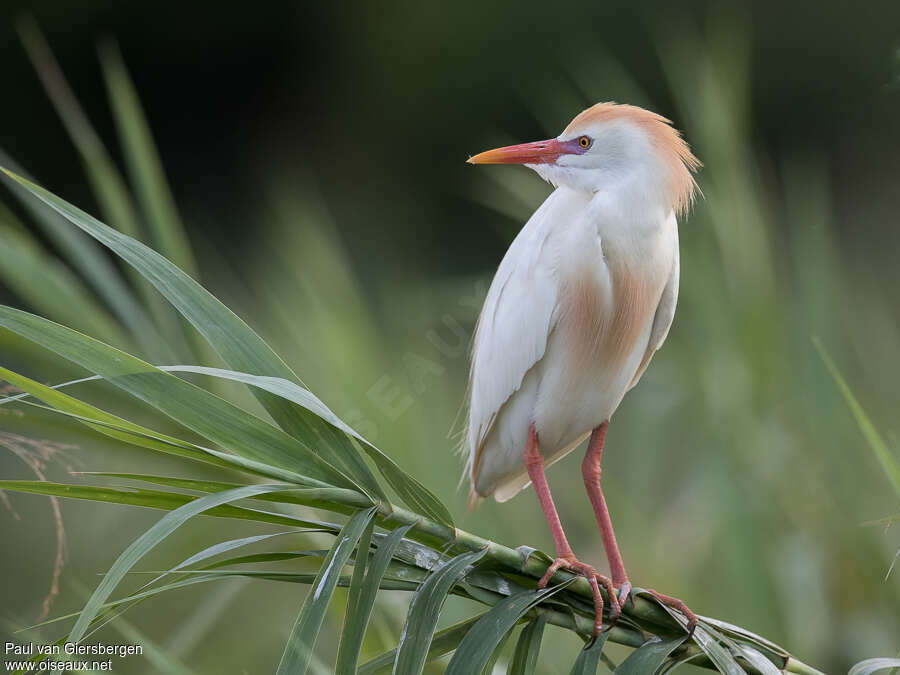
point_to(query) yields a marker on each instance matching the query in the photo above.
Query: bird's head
(608, 145)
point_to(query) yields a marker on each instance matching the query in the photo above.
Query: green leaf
(230, 545)
(475, 650)
(144, 165)
(589, 658)
(415, 553)
(86, 257)
(416, 495)
(676, 664)
(153, 499)
(145, 438)
(108, 185)
(755, 659)
(744, 635)
(351, 635)
(504, 583)
(882, 453)
(488, 668)
(320, 496)
(106, 181)
(444, 642)
(721, 657)
(253, 558)
(134, 598)
(649, 656)
(298, 650)
(360, 610)
(111, 425)
(707, 637)
(425, 610)
(407, 487)
(244, 350)
(313, 497)
(874, 665)
(192, 406)
(147, 541)
(387, 584)
(887, 521)
(154, 196)
(160, 658)
(528, 647)
(59, 293)
(240, 347)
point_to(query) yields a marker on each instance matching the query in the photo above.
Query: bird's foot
(595, 580)
(677, 604)
(625, 593)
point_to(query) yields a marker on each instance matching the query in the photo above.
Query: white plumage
(585, 294)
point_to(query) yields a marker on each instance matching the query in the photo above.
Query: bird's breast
(604, 311)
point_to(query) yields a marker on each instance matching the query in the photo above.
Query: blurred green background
(316, 152)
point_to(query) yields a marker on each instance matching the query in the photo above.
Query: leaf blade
(589, 658)
(106, 182)
(528, 647)
(60, 293)
(147, 541)
(144, 164)
(422, 617)
(92, 264)
(357, 621)
(298, 651)
(154, 499)
(722, 658)
(407, 487)
(238, 344)
(870, 666)
(444, 642)
(649, 656)
(889, 463)
(189, 405)
(477, 647)
(104, 422)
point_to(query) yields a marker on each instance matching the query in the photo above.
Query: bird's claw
(595, 580)
(625, 594)
(677, 604)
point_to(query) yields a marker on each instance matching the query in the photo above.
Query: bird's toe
(615, 604)
(555, 566)
(595, 580)
(625, 593)
(679, 606)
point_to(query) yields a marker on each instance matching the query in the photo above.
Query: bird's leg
(591, 471)
(565, 559)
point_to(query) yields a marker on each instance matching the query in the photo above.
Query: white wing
(518, 316)
(665, 312)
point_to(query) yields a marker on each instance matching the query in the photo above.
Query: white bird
(581, 301)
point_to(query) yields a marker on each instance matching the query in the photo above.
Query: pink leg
(534, 462)
(591, 471)
(565, 559)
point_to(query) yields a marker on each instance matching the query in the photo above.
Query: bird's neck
(630, 207)
(632, 229)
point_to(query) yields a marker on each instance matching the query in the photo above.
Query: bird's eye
(585, 142)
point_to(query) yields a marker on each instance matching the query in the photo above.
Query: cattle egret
(581, 301)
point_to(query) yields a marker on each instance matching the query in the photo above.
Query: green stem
(795, 666)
